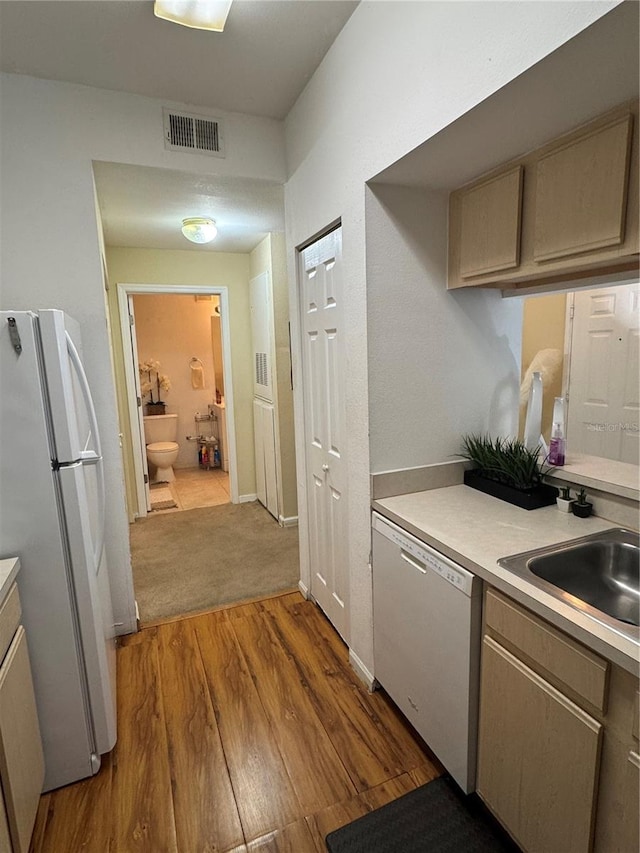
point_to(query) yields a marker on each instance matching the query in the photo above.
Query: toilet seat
(162, 446)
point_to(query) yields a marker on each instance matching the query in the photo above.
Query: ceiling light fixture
(199, 14)
(198, 229)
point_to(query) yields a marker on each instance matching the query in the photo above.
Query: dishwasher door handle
(417, 564)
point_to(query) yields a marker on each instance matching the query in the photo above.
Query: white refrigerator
(52, 513)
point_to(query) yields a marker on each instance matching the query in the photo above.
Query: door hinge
(571, 311)
(139, 402)
(131, 321)
(146, 479)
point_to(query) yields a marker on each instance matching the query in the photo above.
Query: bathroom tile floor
(196, 487)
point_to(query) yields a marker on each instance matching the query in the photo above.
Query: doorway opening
(176, 344)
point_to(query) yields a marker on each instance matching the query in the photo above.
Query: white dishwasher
(427, 613)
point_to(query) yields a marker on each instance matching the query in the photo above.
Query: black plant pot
(538, 496)
(582, 510)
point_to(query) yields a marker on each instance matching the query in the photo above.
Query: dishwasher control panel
(425, 557)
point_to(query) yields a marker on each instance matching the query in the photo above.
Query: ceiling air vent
(186, 132)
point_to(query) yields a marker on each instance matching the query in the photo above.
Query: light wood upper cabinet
(490, 225)
(581, 192)
(566, 210)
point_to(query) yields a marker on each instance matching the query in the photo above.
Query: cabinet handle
(421, 567)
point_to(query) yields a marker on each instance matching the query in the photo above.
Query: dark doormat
(436, 818)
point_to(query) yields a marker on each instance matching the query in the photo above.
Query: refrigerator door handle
(91, 457)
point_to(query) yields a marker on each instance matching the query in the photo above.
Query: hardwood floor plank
(206, 815)
(193, 732)
(296, 728)
(340, 814)
(405, 742)
(295, 838)
(367, 733)
(143, 818)
(76, 817)
(422, 775)
(264, 794)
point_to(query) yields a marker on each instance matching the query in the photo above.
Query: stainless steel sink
(598, 574)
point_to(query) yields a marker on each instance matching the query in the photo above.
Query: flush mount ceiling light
(199, 14)
(199, 229)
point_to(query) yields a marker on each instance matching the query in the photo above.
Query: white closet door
(269, 451)
(323, 363)
(265, 445)
(261, 486)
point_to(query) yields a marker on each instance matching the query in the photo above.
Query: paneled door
(603, 378)
(323, 371)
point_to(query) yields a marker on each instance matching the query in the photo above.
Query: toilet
(160, 432)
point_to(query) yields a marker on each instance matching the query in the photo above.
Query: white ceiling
(143, 207)
(259, 65)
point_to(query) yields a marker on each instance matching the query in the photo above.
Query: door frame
(124, 290)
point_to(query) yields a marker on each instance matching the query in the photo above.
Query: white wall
(397, 73)
(49, 250)
(441, 363)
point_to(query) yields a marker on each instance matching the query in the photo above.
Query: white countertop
(475, 530)
(9, 568)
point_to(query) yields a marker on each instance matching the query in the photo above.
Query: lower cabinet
(558, 755)
(21, 758)
(539, 755)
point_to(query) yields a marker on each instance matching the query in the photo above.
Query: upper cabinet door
(490, 214)
(581, 192)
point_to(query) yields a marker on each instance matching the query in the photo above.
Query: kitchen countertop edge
(9, 568)
(598, 637)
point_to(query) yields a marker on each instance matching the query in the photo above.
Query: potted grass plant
(505, 468)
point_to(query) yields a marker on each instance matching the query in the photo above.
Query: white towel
(197, 374)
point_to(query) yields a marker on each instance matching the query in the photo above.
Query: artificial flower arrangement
(151, 379)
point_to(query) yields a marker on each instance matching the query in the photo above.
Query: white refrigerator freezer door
(93, 604)
(71, 422)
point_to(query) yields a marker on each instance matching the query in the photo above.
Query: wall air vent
(262, 369)
(187, 132)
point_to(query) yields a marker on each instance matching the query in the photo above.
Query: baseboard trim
(304, 589)
(362, 672)
(290, 521)
(245, 499)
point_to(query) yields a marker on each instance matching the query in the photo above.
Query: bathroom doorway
(176, 344)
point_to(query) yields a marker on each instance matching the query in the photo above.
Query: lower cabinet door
(21, 760)
(538, 756)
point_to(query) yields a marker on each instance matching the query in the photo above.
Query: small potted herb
(581, 506)
(565, 501)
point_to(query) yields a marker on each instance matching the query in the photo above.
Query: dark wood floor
(240, 730)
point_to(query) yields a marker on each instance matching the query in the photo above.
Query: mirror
(585, 344)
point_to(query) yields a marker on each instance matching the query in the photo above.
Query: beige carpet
(184, 562)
